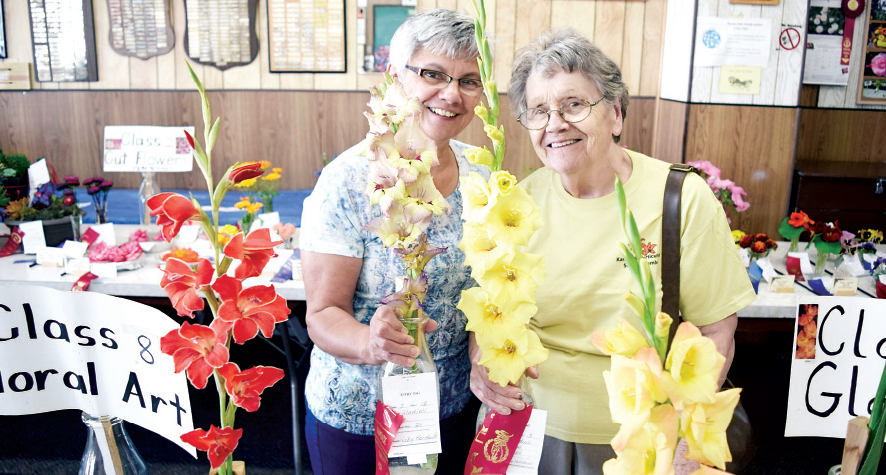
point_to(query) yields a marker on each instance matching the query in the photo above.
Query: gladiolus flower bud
(245, 171)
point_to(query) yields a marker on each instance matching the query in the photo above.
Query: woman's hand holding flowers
(500, 399)
(389, 340)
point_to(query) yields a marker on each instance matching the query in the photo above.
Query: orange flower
(248, 310)
(218, 443)
(254, 252)
(172, 210)
(181, 283)
(197, 348)
(184, 254)
(245, 387)
(800, 219)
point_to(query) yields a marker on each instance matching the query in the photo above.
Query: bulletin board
(872, 87)
(385, 21)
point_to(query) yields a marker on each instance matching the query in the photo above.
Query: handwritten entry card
(528, 453)
(415, 397)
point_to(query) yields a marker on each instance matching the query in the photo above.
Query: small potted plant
(54, 205)
(14, 175)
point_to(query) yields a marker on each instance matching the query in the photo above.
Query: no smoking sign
(789, 38)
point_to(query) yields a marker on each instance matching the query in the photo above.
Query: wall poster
(872, 89)
(221, 33)
(140, 28)
(824, 44)
(377, 20)
(307, 36)
(63, 39)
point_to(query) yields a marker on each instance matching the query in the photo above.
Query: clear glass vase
(106, 435)
(147, 189)
(424, 363)
(528, 398)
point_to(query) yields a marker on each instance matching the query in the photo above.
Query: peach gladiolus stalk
(500, 217)
(238, 313)
(648, 383)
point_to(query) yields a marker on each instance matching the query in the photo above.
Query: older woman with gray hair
(347, 270)
(572, 100)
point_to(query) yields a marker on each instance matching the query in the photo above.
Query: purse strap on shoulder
(670, 243)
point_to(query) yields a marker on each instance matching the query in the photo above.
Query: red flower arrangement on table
(758, 245)
(238, 313)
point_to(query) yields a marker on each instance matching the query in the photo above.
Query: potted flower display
(54, 205)
(14, 175)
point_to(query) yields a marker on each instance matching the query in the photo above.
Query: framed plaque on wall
(63, 40)
(140, 28)
(872, 87)
(221, 33)
(2, 32)
(307, 36)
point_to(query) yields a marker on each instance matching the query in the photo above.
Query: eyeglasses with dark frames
(471, 86)
(571, 110)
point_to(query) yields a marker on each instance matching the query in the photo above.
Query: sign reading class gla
(837, 359)
(130, 148)
(93, 352)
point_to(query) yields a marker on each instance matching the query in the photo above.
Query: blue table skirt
(123, 205)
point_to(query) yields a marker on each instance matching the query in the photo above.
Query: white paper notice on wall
(728, 41)
(130, 148)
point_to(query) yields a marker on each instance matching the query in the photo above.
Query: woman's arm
(330, 282)
(723, 334)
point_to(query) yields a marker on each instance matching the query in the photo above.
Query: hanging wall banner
(93, 352)
(132, 148)
(140, 28)
(221, 34)
(836, 361)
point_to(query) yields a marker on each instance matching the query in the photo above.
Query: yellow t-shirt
(587, 278)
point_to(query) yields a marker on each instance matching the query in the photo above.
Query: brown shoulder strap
(670, 244)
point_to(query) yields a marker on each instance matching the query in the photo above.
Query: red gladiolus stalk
(219, 444)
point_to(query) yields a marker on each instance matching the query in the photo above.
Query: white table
(139, 283)
(783, 305)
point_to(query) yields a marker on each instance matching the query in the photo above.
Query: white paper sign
(105, 233)
(33, 239)
(75, 249)
(837, 359)
(93, 352)
(736, 42)
(129, 148)
(528, 452)
(414, 396)
(38, 174)
(824, 45)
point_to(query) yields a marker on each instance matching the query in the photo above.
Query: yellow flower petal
(514, 218)
(508, 361)
(634, 385)
(704, 427)
(513, 276)
(650, 449)
(479, 156)
(624, 340)
(693, 365)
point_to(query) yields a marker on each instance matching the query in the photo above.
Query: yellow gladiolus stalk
(694, 366)
(704, 427)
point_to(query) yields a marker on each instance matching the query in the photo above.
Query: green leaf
(789, 232)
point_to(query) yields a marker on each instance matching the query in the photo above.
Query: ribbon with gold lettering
(82, 284)
(496, 441)
(15, 240)
(792, 264)
(90, 236)
(387, 423)
(852, 9)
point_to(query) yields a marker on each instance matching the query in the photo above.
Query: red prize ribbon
(387, 423)
(82, 284)
(89, 236)
(792, 264)
(15, 240)
(494, 445)
(852, 9)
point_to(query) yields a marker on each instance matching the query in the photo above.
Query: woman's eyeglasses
(571, 110)
(470, 86)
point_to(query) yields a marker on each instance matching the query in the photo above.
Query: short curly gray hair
(565, 50)
(441, 31)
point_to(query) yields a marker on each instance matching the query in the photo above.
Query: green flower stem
(877, 426)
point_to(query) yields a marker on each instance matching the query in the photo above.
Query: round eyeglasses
(470, 86)
(571, 110)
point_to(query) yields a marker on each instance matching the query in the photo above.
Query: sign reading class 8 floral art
(661, 392)
(500, 218)
(238, 312)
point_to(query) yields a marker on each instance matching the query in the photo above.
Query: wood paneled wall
(752, 146)
(292, 129)
(628, 31)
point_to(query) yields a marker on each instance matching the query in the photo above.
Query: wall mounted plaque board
(221, 33)
(307, 35)
(140, 28)
(2, 33)
(63, 40)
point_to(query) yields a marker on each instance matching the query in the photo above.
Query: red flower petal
(245, 171)
(217, 443)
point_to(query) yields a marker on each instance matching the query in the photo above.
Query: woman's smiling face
(569, 148)
(448, 109)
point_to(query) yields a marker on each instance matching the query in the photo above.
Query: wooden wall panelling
(268, 80)
(346, 81)
(676, 61)
(183, 79)
(841, 135)
(450, 4)
(578, 15)
(609, 26)
(533, 18)
(637, 133)
(702, 77)
(632, 53)
(790, 62)
(653, 40)
(753, 147)
(671, 130)
(505, 38)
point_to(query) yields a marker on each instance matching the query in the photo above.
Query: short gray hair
(565, 50)
(441, 31)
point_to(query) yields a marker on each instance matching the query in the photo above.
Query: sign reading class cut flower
(836, 361)
(93, 352)
(238, 312)
(129, 148)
